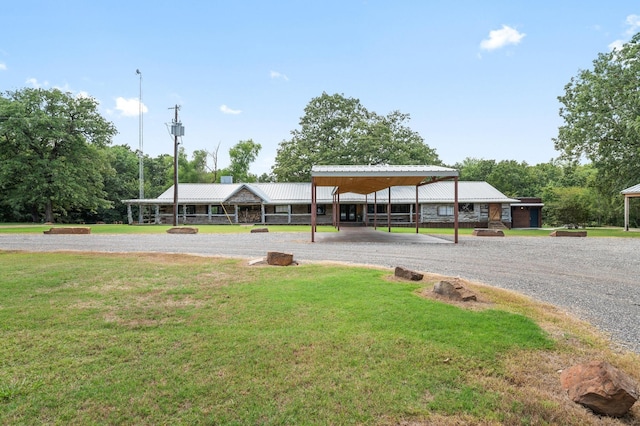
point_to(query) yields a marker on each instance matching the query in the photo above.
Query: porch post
(236, 213)
(389, 211)
(416, 212)
(338, 221)
(375, 210)
(157, 219)
(313, 210)
(129, 214)
(262, 217)
(626, 212)
(365, 213)
(455, 209)
(289, 214)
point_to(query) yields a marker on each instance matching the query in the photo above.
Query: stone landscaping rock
(279, 259)
(71, 230)
(568, 234)
(601, 387)
(454, 291)
(488, 233)
(408, 274)
(257, 230)
(182, 230)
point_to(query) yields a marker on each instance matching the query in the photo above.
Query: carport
(628, 193)
(370, 179)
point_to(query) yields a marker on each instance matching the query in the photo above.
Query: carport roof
(368, 179)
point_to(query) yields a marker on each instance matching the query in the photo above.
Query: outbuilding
(629, 193)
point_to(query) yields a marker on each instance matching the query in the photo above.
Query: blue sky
(479, 78)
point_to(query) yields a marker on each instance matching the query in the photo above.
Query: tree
(601, 113)
(50, 152)
(341, 131)
(242, 155)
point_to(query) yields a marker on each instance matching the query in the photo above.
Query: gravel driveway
(596, 279)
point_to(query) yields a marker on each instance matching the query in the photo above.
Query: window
(465, 207)
(216, 210)
(190, 209)
(400, 208)
(281, 209)
(320, 209)
(445, 210)
(382, 208)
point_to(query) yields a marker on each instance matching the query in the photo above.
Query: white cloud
(616, 45)
(633, 24)
(226, 110)
(36, 84)
(129, 107)
(633, 21)
(276, 74)
(501, 38)
(3, 67)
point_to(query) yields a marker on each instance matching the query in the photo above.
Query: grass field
(226, 229)
(175, 339)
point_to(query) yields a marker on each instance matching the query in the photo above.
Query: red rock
(601, 387)
(279, 259)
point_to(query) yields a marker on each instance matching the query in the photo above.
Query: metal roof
(368, 179)
(300, 193)
(632, 190)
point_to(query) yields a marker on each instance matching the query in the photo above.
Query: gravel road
(596, 279)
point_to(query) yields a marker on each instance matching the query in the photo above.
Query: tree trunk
(48, 212)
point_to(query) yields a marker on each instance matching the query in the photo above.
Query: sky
(479, 79)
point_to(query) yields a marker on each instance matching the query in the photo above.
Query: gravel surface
(597, 279)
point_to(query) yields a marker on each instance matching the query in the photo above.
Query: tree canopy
(339, 130)
(50, 152)
(601, 113)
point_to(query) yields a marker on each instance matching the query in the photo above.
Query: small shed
(629, 193)
(527, 213)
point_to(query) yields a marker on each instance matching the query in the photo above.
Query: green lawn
(229, 229)
(171, 339)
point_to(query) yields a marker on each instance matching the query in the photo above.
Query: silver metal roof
(632, 190)
(383, 170)
(300, 193)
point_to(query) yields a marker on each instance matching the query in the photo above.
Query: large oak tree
(336, 130)
(51, 156)
(601, 113)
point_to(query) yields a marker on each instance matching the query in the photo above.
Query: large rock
(279, 259)
(407, 274)
(487, 233)
(454, 291)
(568, 234)
(182, 230)
(258, 230)
(601, 387)
(71, 230)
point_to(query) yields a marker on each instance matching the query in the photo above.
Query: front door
(348, 213)
(533, 217)
(495, 212)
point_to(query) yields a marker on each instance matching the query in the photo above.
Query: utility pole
(140, 152)
(177, 130)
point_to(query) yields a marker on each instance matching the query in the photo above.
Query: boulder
(488, 233)
(258, 230)
(454, 291)
(408, 274)
(279, 259)
(568, 234)
(182, 230)
(71, 230)
(601, 387)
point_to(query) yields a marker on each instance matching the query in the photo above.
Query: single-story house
(629, 193)
(479, 205)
